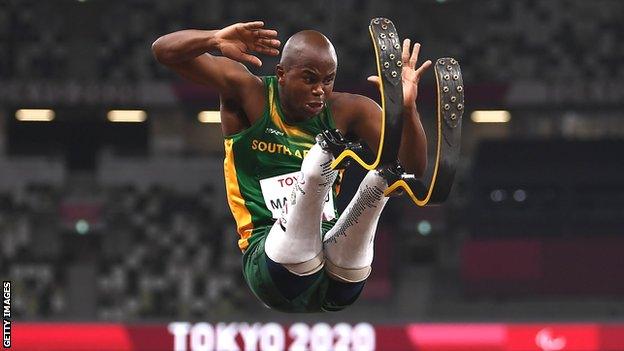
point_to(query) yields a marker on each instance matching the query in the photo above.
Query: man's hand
(410, 74)
(413, 149)
(239, 40)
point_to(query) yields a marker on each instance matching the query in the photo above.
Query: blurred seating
(166, 254)
(158, 252)
(31, 250)
(504, 41)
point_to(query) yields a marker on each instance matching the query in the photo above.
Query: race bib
(277, 192)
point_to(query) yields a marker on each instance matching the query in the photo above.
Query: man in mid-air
(299, 255)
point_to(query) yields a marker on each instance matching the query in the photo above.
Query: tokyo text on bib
(277, 192)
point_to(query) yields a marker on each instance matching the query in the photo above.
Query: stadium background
(123, 228)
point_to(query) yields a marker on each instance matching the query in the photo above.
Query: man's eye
(329, 80)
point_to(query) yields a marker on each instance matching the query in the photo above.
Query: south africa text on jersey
(273, 148)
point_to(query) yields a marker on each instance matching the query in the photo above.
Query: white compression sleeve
(299, 247)
(348, 246)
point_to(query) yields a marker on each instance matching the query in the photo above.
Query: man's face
(306, 86)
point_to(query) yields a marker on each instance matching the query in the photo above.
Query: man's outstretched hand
(410, 74)
(240, 40)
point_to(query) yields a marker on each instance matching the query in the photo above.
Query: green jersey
(262, 163)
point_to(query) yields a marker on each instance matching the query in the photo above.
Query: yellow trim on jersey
(291, 131)
(240, 212)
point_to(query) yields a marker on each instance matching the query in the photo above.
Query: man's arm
(366, 121)
(413, 149)
(187, 52)
(366, 124)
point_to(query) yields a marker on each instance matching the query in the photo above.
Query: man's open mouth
(316, 105)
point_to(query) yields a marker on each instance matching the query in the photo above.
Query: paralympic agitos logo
(545, 340)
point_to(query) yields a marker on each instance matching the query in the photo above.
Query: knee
(347, 275)
(306, 268)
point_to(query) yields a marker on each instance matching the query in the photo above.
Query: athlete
(298, 254)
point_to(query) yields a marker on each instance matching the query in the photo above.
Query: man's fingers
(257, 30)
(373, 79)
(272, 43)
(406, 50)
(414, 58)
(265, 33)
(251, 59)
(253, 25)
(266, 50)
(423, 68)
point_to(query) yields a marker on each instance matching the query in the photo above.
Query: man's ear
(279, 72)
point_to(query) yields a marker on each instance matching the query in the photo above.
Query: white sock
(299, 247)
(348, 246)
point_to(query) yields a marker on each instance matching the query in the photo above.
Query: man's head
(306, 73)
